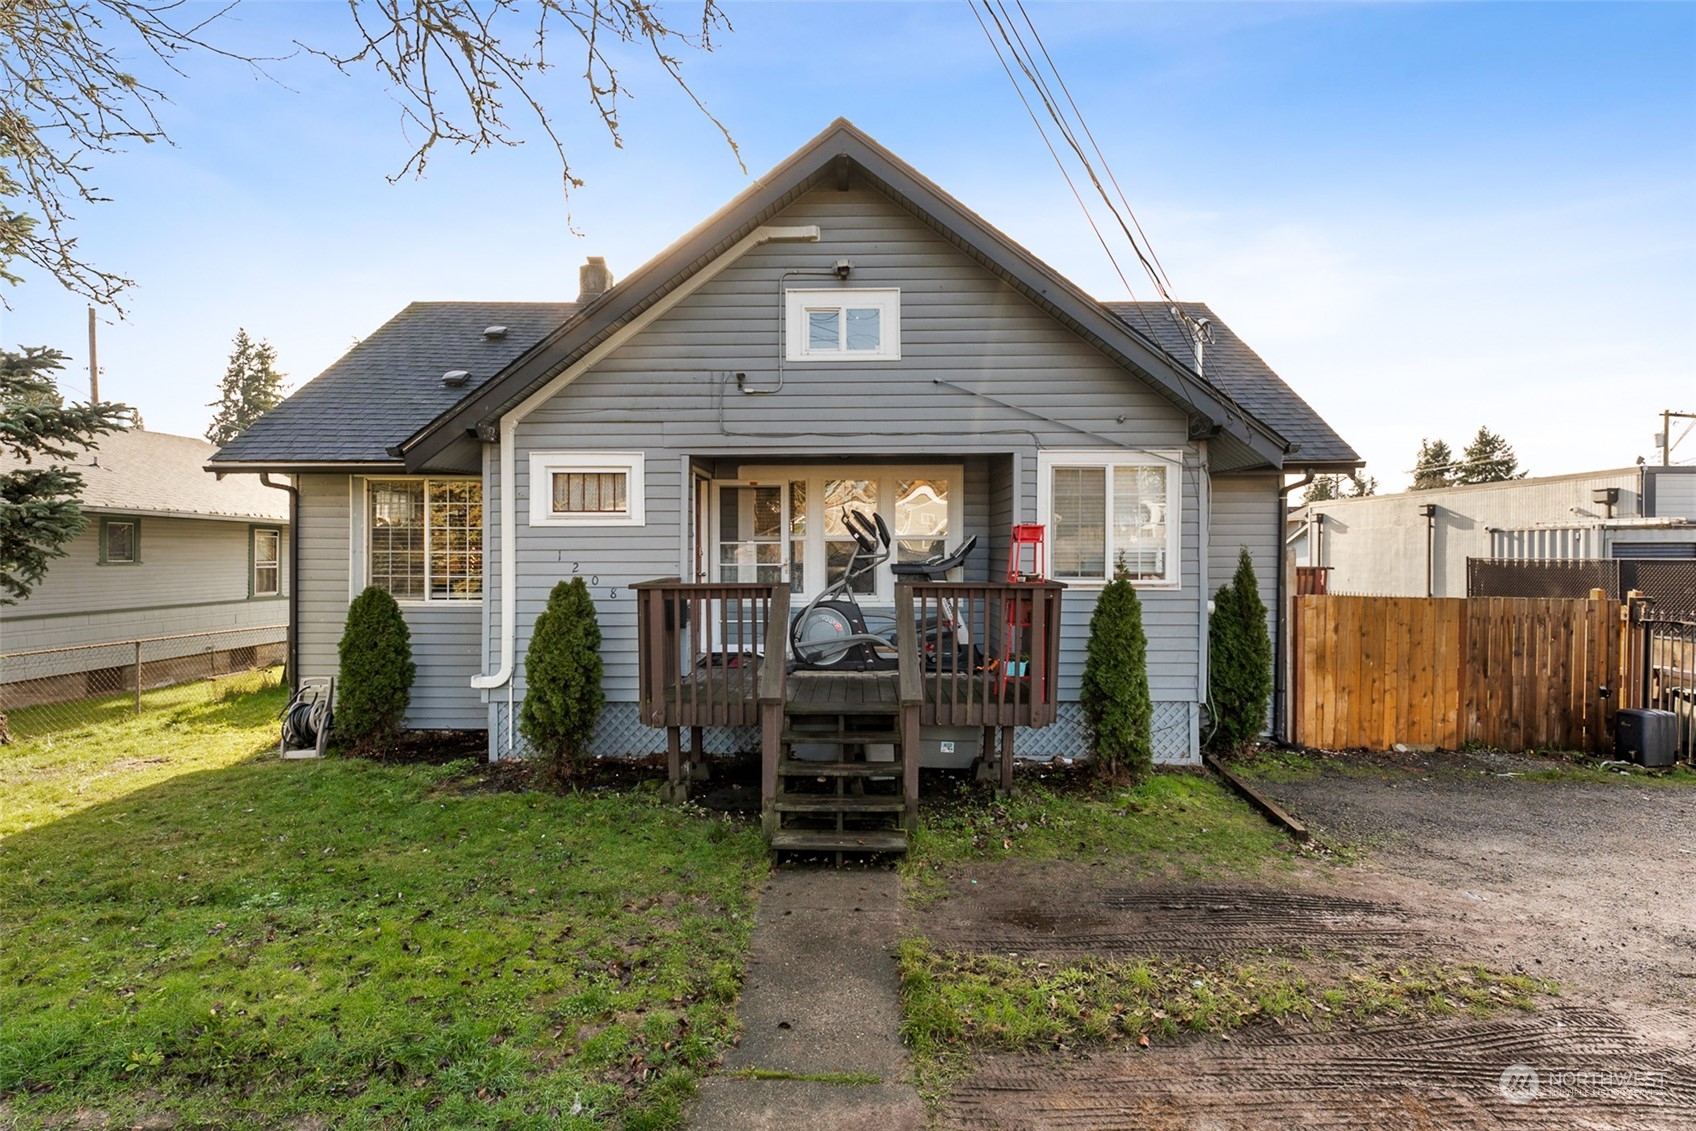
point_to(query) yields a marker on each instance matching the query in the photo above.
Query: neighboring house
(843, 333)
(168, 551)
(1417, 543)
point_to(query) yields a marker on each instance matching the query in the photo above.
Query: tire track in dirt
(1592, 1072)
(1134, 922)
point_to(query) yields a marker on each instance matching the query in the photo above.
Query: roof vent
(494, 333)
(455, 378)
(593, 279)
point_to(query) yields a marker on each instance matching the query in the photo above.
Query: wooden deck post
(698, 770)
(674, 763)
(1007, 761)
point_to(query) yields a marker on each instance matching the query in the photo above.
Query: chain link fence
(1670, 583)
(56, 689)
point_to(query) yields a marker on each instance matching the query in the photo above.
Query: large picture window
(426, 538)
(1100, 508)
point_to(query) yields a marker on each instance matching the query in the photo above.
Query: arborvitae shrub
(1239, 651)
(376, 673)
(563, 696)
(1118, 712)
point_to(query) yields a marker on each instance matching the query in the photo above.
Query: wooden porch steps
(829, 803)
(800, 840)
(845, 803)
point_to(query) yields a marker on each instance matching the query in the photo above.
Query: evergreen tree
(1353, 486)
(1435, 466)
(562, 674)
(1239, 651)
(39, 512)
(1118, 711)
(251, 387)
(1488, 459)
(1323, 488)
(374, 682)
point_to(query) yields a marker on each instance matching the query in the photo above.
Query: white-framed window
(424, 538)
(842, 324)
(1099, 506)
(267, 580)
(586, 489)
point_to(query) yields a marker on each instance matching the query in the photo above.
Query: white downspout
(509, 429)
(509, 559)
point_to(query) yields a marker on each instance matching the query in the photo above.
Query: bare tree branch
(67, 97)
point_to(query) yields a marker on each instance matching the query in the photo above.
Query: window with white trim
(586, 489)
(842, 325)
(425, 538)
(267, 562)
(1099, 509)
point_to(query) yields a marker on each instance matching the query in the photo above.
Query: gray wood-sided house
(844, 333)
(169, 554)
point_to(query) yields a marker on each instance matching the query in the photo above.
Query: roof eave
(303, 467)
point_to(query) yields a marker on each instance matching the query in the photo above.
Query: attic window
(842, 325)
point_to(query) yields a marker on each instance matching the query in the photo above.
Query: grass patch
(955, 1004)
(854, 1079)
(253, 941)
(1182, 821)
(67, 756)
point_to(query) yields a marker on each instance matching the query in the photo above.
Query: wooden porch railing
(1009, 676)
(701, 651)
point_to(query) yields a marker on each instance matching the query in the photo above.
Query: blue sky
(1425, 217)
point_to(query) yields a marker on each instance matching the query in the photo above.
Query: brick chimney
(593, 279)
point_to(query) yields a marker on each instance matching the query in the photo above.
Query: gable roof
(1231, 366)
(841, 153)
(383, 404)
(156, 473)
(389, 385)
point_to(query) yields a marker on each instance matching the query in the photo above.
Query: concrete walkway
(821, 1001)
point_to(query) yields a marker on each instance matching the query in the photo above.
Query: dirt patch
(1591, 1072)
(1588, 883)
(1069, 910)
(1585, 883)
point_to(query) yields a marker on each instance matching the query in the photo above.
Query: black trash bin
(1647, 737)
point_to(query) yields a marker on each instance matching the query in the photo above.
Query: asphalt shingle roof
(158, 473)
(390, 385)
(1238, 372)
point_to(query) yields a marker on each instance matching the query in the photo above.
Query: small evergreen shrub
(376, 674)
(1239, 650)
(563, 696)
(1118, 713)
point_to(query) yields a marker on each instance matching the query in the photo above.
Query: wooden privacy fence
(1513, 673)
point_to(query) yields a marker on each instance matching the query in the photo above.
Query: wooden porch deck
(717, 656)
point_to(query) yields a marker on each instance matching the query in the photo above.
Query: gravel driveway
(1590, 884)
(1593, 884)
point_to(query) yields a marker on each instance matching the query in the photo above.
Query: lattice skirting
(621, 734)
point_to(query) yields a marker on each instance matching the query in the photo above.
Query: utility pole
(1667, 416)
(93, 361)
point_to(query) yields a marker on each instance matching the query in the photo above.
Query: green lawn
(1178, 823)
(225, 939)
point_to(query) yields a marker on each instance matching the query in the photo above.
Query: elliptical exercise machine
(831, 634)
